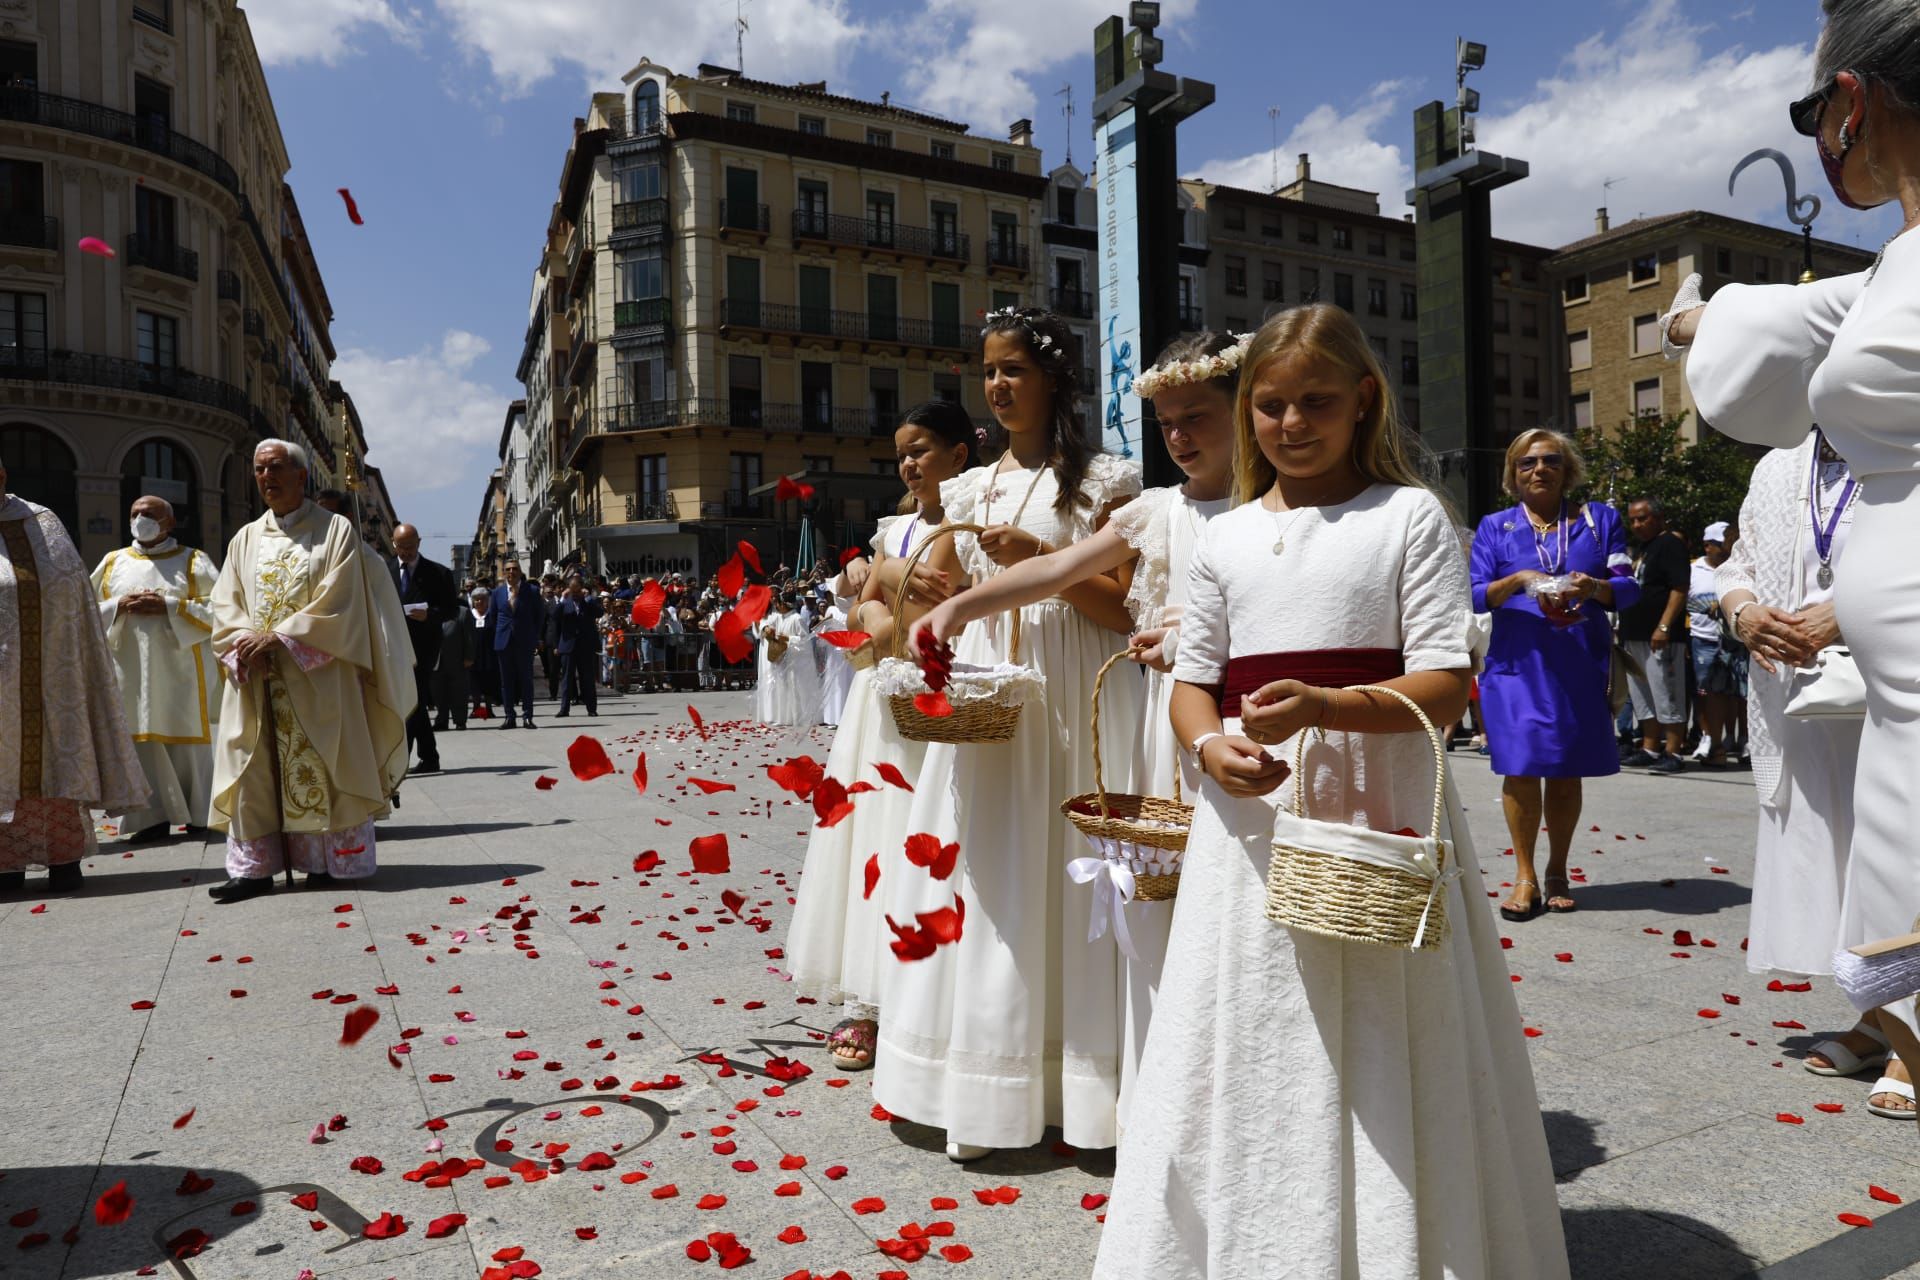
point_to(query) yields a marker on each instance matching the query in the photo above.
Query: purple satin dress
(1543, 694)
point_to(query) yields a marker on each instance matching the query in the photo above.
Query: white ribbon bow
(1112, 891)
(1433, 895)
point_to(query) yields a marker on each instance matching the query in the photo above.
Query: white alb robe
(169, 679)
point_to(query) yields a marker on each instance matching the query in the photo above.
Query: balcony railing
(1192, 319)
(741, 216)
(29, 231)
(639, 215)
(856, 326)
(253, 325)
(1007, 253)
(28, 106)
(746, 412)
(639, 314)
(163, 255)
(652, 506)
(742, 505)
(229, 285)
(626, 127)
(874, 233)
(1077, 303)
(115, 374)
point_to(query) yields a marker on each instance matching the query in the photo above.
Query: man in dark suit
(428, 596)
(517, 617)
(579, 645)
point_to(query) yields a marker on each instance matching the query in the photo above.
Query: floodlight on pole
(1470, 55)
(1144, 14)
(1469, 100)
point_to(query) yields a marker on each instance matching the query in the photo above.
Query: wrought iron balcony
(1077, 303)
(163, 255)
(29, 106)
(253, 325)
(639, 215)
(741, 216)
(115, 374)
(744, 411)
(29, 231)
(1192, 319)
(856, 326)
(640, 313)
(1011, 254)
(652, 506)
(742, 505)
(229, 285)
(872, 233)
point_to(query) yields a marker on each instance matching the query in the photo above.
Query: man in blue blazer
(517, 614)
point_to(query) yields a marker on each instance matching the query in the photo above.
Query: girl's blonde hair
(1384, 451)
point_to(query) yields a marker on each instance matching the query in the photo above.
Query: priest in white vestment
(156, 603)
(318, 687)
(64, 747)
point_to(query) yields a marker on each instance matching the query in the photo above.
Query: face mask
(1835, 165)
(146, 529)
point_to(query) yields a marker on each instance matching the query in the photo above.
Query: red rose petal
(1883, 1195)
(358, 1021)
(710, 855)
(1787, 1117)
(869, 1204)
(114, 1206)
(1854, 1219)
(445, 1225)
(588, 759)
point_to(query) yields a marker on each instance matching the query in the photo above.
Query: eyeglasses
(1557, 461)
(1805, 114)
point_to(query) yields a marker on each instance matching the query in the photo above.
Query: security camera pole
(1136, 110)
(1453, 230)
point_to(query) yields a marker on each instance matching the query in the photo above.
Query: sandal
(1843, 1061)
(1898, 1088)
(854, 1035)
(1520, 915)
(1565, 896)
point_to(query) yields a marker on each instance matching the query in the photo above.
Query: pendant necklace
(1282, 527)
(1824, 528)
(1552, 567)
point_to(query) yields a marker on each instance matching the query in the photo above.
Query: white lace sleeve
(1143, 524)
(1110, 479)
(882, 534)
(960, 501)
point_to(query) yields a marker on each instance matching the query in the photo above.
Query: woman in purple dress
(1548, 570)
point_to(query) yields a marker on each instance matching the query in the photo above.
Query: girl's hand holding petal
(1242, 767)
(1007, 545)
(1275, 712)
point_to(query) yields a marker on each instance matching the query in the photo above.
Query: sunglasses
(1805, 114)
(1554, 460)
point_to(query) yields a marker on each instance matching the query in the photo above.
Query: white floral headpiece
(1181, 373)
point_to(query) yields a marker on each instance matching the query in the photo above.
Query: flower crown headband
(1180, 373)
(1041, 341)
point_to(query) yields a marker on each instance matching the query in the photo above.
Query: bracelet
(1734, 621)
(1200, 742)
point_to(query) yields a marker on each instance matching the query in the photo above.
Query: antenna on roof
(1273, 117)
(740, 35)
(1066, 90)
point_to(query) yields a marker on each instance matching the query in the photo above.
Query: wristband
(1734, 621)
(1200, 742)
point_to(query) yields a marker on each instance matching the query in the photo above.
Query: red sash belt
(1326, 668)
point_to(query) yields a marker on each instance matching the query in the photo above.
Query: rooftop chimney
(1601, 225)
(1020, 133)
(1303, 171)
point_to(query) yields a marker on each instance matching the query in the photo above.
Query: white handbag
(1831, 689)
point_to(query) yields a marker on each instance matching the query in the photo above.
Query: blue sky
(449, 118)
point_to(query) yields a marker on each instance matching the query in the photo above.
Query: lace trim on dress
(1005, 682)
(1108, 480)
(1143, 524)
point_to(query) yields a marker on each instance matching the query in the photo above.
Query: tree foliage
(1696, 484)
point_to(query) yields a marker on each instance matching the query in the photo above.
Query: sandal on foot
(1844, 1061)
(1566, 895)
(1900, 1089)
(855, 1035)
(1520, 915)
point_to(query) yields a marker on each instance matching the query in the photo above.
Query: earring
(1846, 140)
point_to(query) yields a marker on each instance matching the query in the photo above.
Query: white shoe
(962, 1152)
(1704, 749)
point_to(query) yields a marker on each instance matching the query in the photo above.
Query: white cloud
(975, 61)
(287, 31)
(1344, 148)
(432, 428)
(525, 41)
(1659, 103)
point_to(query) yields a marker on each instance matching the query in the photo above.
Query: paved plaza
(597, 1067)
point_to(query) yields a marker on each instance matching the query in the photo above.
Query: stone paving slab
(506, 906)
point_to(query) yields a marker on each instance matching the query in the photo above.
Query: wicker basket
(1135, 824)
(1358, 885)
(990, 719)
(863, 657)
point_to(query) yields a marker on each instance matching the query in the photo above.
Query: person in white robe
(64, 746)
(156, 603)
(319, 685)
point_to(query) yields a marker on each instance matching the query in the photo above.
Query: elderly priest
(318, 688)
(63, 742)
(155, 601)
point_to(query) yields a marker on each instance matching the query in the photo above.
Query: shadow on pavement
(428, 831)
(1045, 1156)
(1696, 897)
(1571, 1144)
(1640, 1244)
(64, 1197)
(398, 877)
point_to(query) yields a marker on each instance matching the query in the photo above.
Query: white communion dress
(837, 945)
(1309, 1108)
(1845, 353)
(836, 672)
(795, 679)
(1015, 1026)
(763, 670)
(1164, 525)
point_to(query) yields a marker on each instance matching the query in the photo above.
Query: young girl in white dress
(1192, 389)
(1319, 1108)
(837, 945)
(1015, 1025)
(794, 680)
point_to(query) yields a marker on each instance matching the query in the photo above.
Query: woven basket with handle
(986, 719)
(1142, 826)
(1355, 884)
